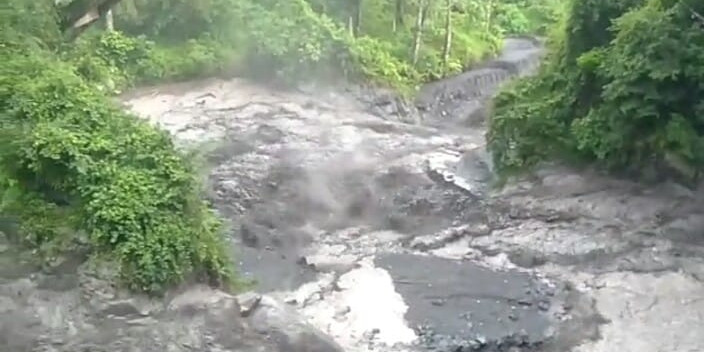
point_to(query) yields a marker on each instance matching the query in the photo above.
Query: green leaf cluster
(114, 61)
(76, 170)
(529, 16)
(621, 87)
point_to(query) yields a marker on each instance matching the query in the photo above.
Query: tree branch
(695, 14)
(79, 15)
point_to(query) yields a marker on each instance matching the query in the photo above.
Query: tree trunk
(448, 35)
(697, 16)
(78, 17)
(86, 19)
(489, 14)
(109, 22)
(398, 14)
(418, 36)
(357, 17)
(426, 10)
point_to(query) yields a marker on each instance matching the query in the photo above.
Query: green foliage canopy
(622, 87)
(367, 39)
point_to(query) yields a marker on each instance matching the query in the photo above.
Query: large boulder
(282, 326)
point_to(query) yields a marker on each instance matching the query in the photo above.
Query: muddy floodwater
(371, 224)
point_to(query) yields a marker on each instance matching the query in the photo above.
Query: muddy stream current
(369, 224)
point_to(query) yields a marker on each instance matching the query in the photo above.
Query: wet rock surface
(473, 304)
(369, 224)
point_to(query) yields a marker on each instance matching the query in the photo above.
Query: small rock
(303, 261)
(249, 238)
(339, 263)
(57, 341)
(369, 335)
(474, 345)
(291, 300)
(198, 297)
(122, 309)
(292, 331)
(142, 321)
(525, 302)
(248, 302)
(341, 312)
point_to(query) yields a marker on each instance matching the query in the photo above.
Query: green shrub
(528, 16)
(113, 61)
(374, 60)
(611, 96)
(28, 23)
(68, 149)
(513, 19)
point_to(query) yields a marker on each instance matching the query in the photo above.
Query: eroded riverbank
(384, 235)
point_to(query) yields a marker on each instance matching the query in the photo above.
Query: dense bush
(622, 87)
(113, 61)
(66, 147)
(529, 16)
(76, 170)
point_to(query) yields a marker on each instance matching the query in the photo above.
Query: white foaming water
(367, 303)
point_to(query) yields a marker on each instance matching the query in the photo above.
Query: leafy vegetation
(529, 16)
(622, 87)
(400, 43)
(77, 171)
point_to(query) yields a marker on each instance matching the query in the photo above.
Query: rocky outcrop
(37, 317)
(282, 325)
(465, 98)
